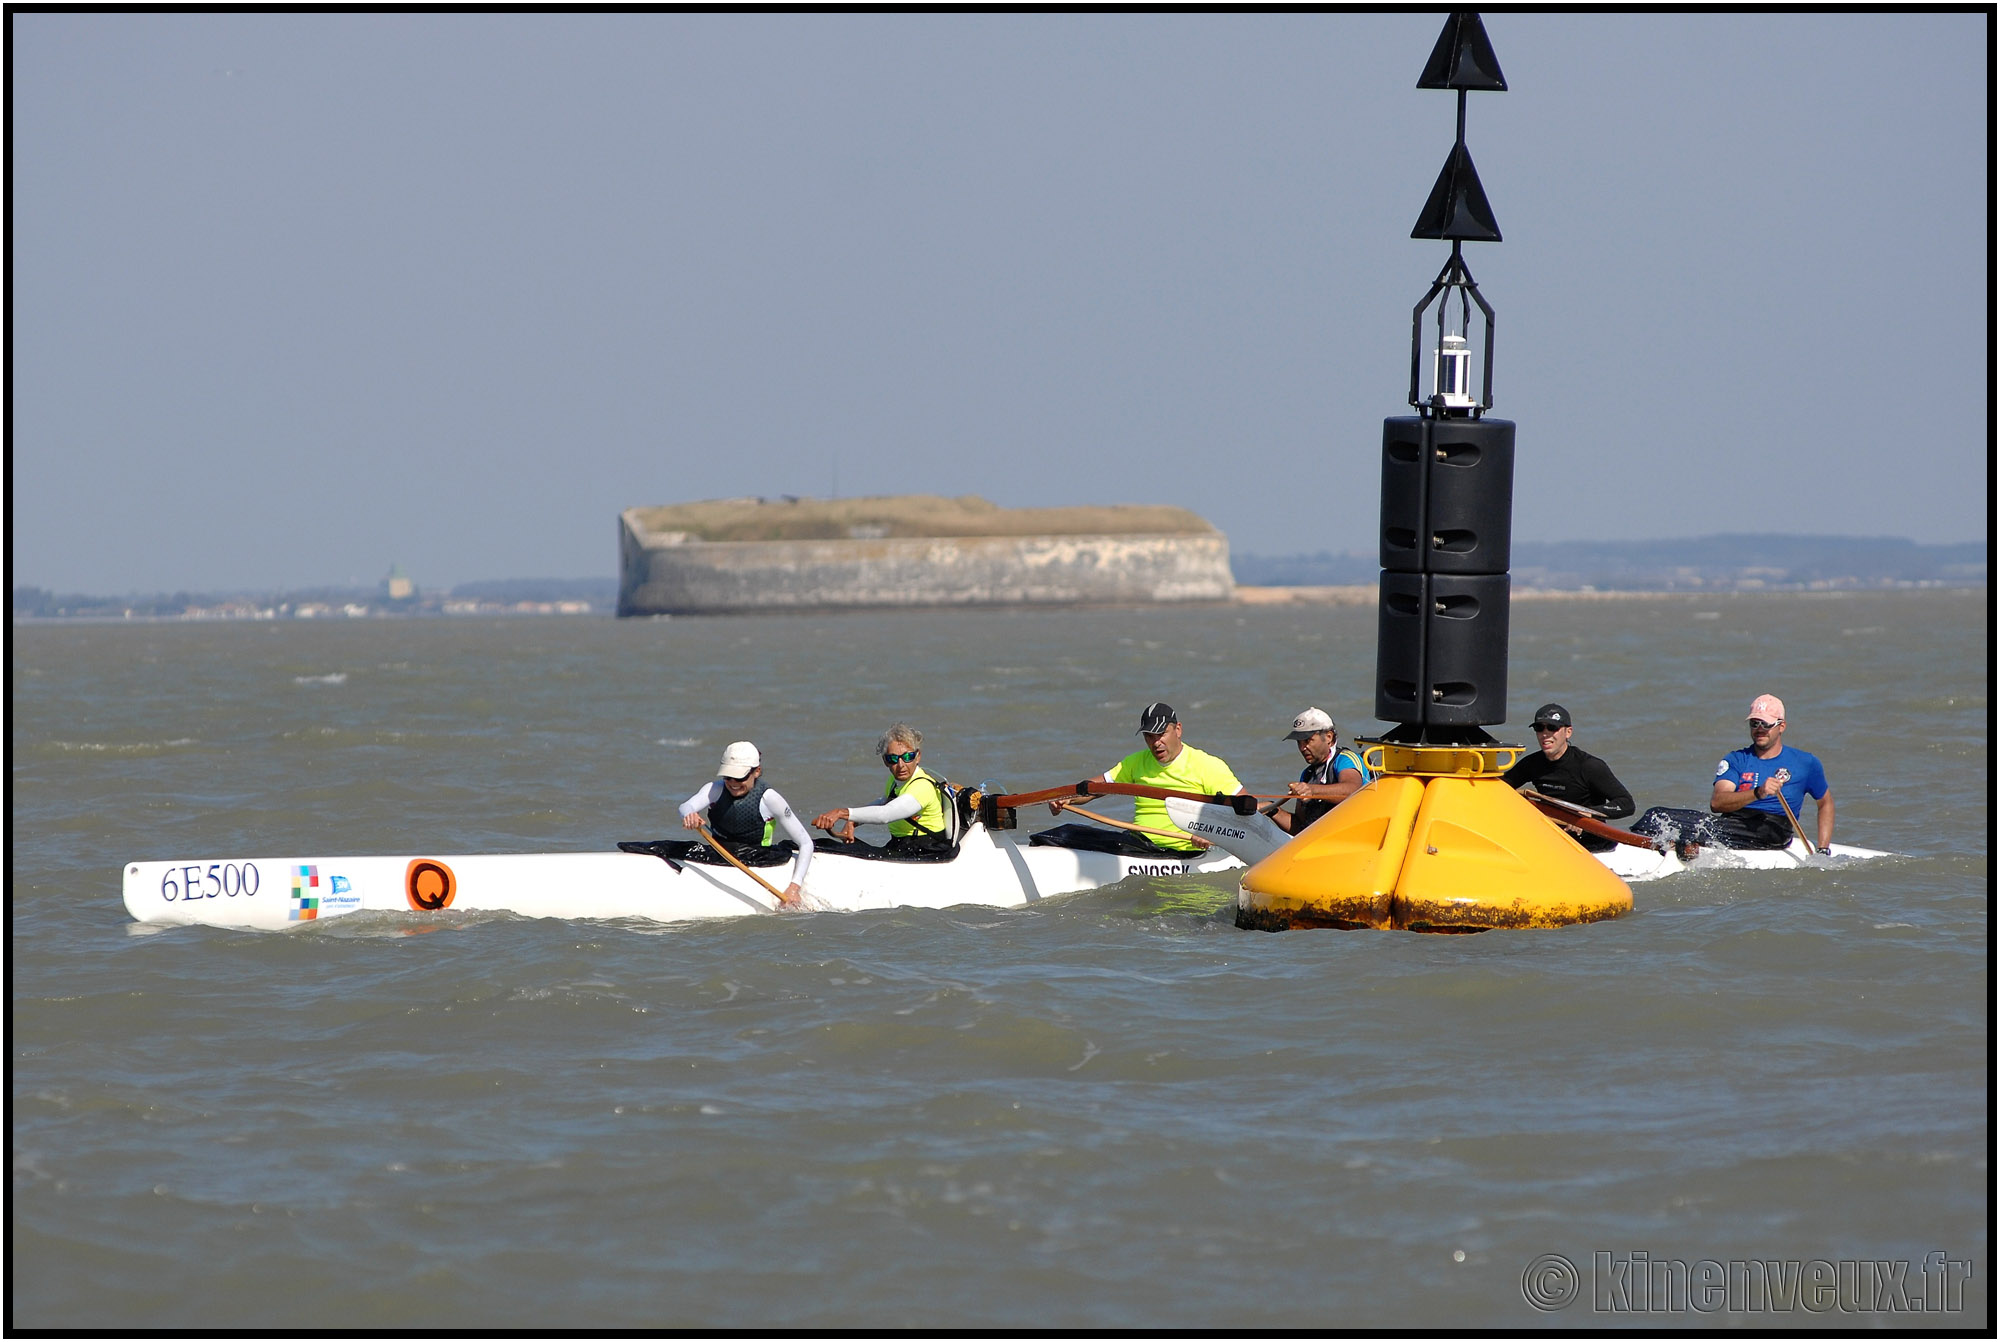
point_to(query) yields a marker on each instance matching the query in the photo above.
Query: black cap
(1156, 718)
(1552, 715)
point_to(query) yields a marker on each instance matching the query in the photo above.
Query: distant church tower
(397, 586)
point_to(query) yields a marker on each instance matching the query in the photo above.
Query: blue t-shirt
(1336, 764)
(1744, 769)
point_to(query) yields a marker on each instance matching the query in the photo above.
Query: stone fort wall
(677, 572)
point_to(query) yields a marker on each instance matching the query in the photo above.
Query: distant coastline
(1362, 595)
(1727, 562)
(1709, 566)
(505, 597)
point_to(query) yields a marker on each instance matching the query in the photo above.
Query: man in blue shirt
(1744, 810)
(1747, 781)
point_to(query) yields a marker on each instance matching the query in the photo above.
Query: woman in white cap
(737, 809)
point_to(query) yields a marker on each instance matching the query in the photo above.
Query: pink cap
(1769, 707)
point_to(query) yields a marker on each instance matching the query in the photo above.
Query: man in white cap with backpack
(1333, 772)
(737, 809)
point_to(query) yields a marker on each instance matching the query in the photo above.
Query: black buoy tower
(1438, 842)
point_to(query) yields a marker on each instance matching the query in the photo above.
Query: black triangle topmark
(1457, 210)
(1463, 58)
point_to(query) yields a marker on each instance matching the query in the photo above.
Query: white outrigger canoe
(991, 869)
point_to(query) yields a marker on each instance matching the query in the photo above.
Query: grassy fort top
(905, 515)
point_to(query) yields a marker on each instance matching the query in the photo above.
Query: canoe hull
(995, 871)
(1646, 864)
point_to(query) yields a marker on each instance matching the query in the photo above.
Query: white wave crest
(123, 748)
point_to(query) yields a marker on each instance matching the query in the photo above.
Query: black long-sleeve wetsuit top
(1579, 777)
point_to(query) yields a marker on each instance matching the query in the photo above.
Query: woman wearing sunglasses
(913, 803)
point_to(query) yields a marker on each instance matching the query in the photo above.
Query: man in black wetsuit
(1570, 773)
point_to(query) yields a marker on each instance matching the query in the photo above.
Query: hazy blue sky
(299, 295)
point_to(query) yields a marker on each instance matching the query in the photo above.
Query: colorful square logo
(305, 897)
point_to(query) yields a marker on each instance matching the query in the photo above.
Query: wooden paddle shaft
(1563, 815)
(715, 845)
(1123, 824)
(1797, 828)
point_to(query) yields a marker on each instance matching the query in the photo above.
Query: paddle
(715, 845)
(1558, 801)
(650, 848)
(1122, 824)
(1797, 828)
(1568, 815)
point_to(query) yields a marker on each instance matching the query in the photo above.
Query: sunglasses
(1759, 725)
(1548, 726)
(903, 758)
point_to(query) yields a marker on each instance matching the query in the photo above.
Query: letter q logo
(430, 885)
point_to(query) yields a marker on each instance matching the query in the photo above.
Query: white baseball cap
(739, 759)
(1309, 723)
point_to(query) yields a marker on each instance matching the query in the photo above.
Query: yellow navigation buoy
(1437, 843)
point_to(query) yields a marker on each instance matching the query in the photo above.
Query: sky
(296, 296)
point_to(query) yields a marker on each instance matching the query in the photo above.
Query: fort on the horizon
(736, 555)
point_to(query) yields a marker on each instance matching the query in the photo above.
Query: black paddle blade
(655, 848)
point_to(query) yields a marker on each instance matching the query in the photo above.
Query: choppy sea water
(1107, 1110)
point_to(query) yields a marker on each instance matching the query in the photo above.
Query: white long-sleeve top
(771, 807)
(902, 808)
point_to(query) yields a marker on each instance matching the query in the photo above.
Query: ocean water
(1109, 1110)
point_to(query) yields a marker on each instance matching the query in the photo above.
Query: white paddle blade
(1250, 837)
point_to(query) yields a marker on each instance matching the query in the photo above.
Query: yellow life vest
(929, 818)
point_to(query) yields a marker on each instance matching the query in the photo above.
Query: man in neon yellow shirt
(1168, 762)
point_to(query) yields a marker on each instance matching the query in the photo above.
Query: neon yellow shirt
(1192, 771)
